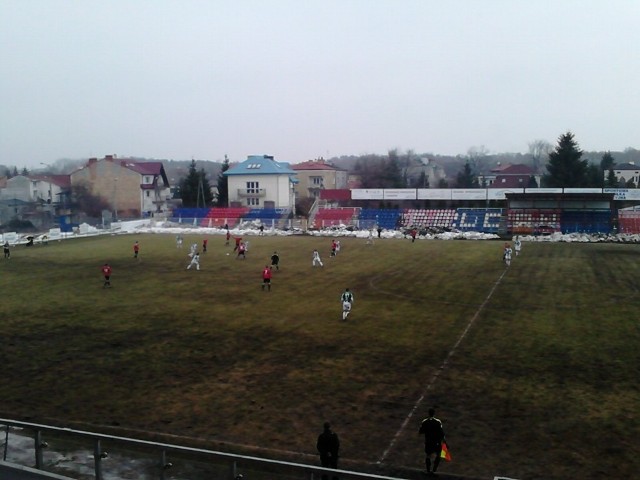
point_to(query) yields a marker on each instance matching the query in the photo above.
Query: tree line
(564, 165)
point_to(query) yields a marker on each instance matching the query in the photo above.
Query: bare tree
(478, 158)
(537, 150)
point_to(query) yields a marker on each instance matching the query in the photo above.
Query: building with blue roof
(261, 182)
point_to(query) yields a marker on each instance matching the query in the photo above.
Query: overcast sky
(300, 79)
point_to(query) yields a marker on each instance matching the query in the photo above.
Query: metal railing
(165, 456)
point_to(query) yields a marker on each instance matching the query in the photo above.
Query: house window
(253, 187)
(147, 179)
(148, 193)
(316, 181)
(253, 202)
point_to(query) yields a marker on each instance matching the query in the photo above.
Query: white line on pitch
(437, 373)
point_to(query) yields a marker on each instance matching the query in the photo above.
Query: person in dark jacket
(275, 260)
(433, 433)
(329, 447)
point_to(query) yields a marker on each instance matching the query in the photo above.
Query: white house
(261, 182)
(36, 188)
(49, 189)
(625, 172)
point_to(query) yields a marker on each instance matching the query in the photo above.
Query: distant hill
(453, 164)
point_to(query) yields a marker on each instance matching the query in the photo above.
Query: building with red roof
(510, 176)
(316, 175)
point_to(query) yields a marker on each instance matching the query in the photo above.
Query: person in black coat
(329, 447)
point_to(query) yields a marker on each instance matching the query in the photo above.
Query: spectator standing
(431, 428)
(328, 446)
(379, 231)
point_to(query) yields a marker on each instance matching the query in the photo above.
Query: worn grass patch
(542, 386)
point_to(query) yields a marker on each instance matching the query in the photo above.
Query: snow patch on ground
(252, 229)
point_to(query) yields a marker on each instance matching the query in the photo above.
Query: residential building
(11, 208)
(42, 189)
(38, 198)
(510, 176)
(50, 189)
(17, 188)
(626, 172)
(423, 173)
(317, 175)
(131, 187)
(261, 182)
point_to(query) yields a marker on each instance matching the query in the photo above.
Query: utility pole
(200, 191)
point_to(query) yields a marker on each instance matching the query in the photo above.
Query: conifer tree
(466, 178)
(195, 190)
(565, 167)
(222, 199)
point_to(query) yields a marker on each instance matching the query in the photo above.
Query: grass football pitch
(533, 369)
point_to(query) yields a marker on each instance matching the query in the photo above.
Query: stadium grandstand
(524, 212)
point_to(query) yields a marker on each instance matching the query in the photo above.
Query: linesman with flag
(434, 441)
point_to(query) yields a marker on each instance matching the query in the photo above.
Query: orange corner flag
(444, 453)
